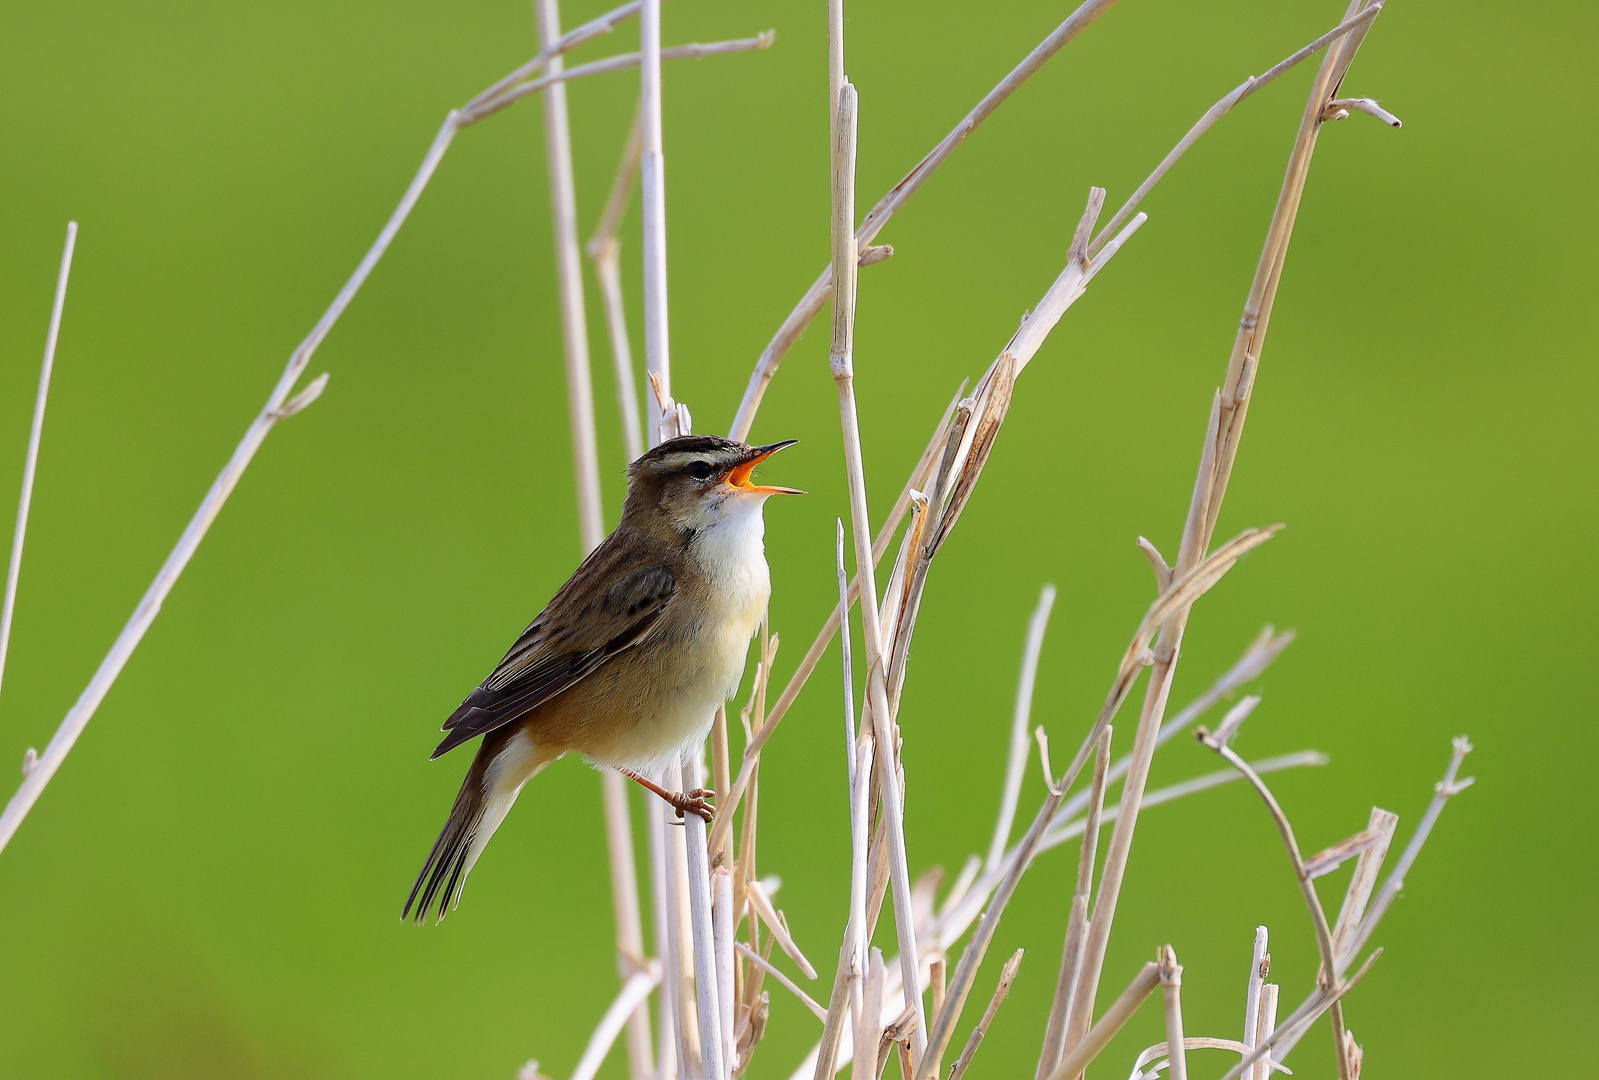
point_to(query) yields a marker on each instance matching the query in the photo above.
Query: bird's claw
(695, 802)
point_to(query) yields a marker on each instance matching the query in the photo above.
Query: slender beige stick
(695, 51)
(590, 30)
(279, 405)
(1259, 964)
(844, 259)
(1007, 975)
(605, 251)
(1077, 916)
(680, 953)
(1171, 990)
(30, 462)
(723, 926)
(699, 901)
(652, 170)
(635, 992)
(1267, 1021)
(664, 928)
(817, 296)
(569, 277)
(1020, 723)
(788, 984)
(1120, 1011)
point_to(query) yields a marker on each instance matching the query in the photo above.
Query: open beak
(740, 476)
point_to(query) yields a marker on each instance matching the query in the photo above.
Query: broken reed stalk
(30, 461)
(1020, 722)
(1216, 461)
(1120, 1011)
(1259, 964)
(1171, 989)
(1077, 914)
(891, 802)
(1007, 975)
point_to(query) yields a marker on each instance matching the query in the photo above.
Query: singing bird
(629, 661)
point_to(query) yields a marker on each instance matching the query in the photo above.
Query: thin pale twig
(1099, 1036)
(1020, 721)
(1007, 975)
(30, 461)
(635, 992)
(788, 984)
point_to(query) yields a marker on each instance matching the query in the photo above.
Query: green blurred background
(210, 887)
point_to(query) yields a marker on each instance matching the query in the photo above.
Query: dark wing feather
(583, 626)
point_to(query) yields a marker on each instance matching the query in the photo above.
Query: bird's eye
(700, 470)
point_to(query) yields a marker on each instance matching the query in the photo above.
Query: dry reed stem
(1020, 721)
(664, 930)
(1099, 1036)
(972, 956)
(844, 258)
(723, 926)
(761, 904)
(629, 1003)
(1328, 977)
(1077, 915)
(1007, 975)
(1361, 883)
(704, 944)
(1267, 1021)
(30, 461)
(788, 984)
(620, 62)
(605, 251)
(1259, 964)
(1443, 791)
(1171, 991)
(817, 295)
(569, 279)
(652, 172)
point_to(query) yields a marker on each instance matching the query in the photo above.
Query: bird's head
(695, 481)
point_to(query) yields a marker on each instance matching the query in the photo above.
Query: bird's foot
(694, 802)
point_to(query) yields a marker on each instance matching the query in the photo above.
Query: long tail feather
(503, 764)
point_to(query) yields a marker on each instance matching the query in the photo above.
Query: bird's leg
(693, 801)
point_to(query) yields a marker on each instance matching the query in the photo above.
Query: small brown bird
(629, 661)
